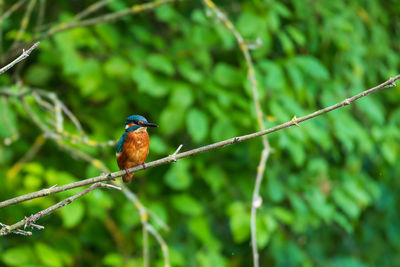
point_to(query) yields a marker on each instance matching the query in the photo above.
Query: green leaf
(171, 120)
(117, 67)
(313, 67)
(223, 129)
(8, 120)
(160, 63)
(197, 124)
(113, 259)
(201, 229)
(187, 204)
(227, 75)
(47, 255)
(239, 222)
(214, 177)
(182, 96)
(178, 176)
(72, 214)
(18, 256)
(189, 72)
(346, 203)
(147, 83)
(38, 75)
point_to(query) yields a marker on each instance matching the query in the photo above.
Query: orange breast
(134, 151)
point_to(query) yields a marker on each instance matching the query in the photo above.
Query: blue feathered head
(137, 120)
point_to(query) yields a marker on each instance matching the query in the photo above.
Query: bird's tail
(128, 177)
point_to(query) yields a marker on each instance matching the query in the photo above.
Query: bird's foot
(144, 165)
(127, 171)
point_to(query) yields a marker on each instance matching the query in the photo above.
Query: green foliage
(330, 192)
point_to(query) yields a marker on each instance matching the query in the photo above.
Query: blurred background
(330, 191)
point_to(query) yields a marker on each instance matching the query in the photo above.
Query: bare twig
(16, 231)
(90, 9)
(162, 243)
(28, 221)
(39, 96)
(104, 18)
(36, 146)
(244, 47)
(24, 22)
(112, 176)
(11, 10)
(25, 54)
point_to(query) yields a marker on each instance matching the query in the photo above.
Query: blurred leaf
(200, 228)
(187, 204)
(160, 63)
(47, 255)
(223, 129)
(18, 256)
(239, 222)
(8, 120)
(72, 214)
(197, 124)
(226, 75)
(178, 176)
(38, 75)
(113, 259)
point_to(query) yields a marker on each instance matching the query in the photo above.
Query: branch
(162, 243)
(169, 159)
(11, 10)
(90, 9)
(244, 47)
(25, 54)
(29, 221)
(104, 18)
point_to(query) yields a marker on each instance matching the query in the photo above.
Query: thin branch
(11, 10)
(28, 221)
(39, 96)
(40, 17)
(16, 231)
(63, 26)
(162, 243)
(104, 18)
(35, 148)
(24, 22)
(256, 203)
(244, 47)
(112, 176)
(90, 9)
(25, 54)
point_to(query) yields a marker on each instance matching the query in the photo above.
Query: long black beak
(148, 124)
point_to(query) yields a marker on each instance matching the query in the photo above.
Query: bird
(133, 146)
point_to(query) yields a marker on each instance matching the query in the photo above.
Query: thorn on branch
(172, 157)
(111, 186)
(294, 120)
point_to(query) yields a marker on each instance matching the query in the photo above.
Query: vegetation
(329, 195)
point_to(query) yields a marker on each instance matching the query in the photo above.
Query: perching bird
(133, 146)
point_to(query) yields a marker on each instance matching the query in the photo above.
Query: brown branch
(172, 158)
(25, 54)
(29, 221)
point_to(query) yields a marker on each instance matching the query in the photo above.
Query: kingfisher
(133, 146)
